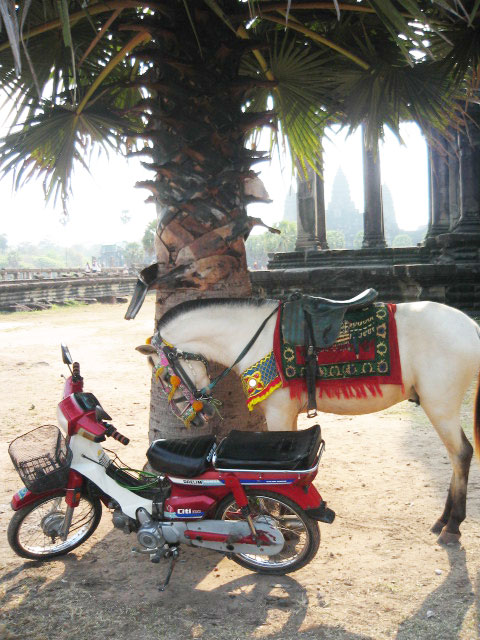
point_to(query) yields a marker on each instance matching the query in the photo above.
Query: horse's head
(181, 377)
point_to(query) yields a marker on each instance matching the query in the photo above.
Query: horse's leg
(460, 452)
(442, 521)
(281, 411)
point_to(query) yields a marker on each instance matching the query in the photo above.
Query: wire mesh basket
(41, 458)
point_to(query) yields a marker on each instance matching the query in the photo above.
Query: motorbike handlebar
(116, 435)
(76, 372)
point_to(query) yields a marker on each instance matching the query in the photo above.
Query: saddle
(314, 323)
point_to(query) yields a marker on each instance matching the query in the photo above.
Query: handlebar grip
(76, 372)
(116, 435)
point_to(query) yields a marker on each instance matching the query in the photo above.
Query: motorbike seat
(184, 457)
(270, 450)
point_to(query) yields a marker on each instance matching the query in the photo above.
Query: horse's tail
(476, 412)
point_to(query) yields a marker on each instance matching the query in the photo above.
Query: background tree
(259, 246)
(358, 240)
(183, 83)
(402, 240)
(148, 239)
(335, 239)
(3, 243)
(133, 253)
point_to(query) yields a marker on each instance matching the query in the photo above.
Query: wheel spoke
(296, 534)
(38, 532)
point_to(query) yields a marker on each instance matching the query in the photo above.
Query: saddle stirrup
(310, 367)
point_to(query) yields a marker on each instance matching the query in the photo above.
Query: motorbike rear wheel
(301, 533)
(33, 530)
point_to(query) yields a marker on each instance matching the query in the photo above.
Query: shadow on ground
(441, 615)
(83, 600)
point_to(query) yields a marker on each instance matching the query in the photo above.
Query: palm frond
(53, 141)
(8, 13)
(302, 92)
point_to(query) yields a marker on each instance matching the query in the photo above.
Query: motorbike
(249, 497)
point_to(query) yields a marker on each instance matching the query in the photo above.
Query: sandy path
(378, 573)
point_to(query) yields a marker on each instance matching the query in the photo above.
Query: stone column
(469, 146)
(439, 193)
(461, 241)
(311, 227)
(373, 231)
(454, 181)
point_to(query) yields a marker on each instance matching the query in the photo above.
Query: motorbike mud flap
(234, 537)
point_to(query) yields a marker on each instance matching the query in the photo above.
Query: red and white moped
(250, 497)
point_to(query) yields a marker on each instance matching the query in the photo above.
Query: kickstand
(173, 555)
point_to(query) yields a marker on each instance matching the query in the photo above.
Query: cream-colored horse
(439, 351)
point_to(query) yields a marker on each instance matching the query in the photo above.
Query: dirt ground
(378, 574)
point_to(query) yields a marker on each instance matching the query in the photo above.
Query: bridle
(200, 402)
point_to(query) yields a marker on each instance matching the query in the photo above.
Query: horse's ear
(146, 349)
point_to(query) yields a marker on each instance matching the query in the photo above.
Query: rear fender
(305, 496)
(310, 500)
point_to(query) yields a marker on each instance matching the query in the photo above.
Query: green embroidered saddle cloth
(364, 355)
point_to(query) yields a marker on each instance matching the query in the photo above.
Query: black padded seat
(184, 457)
(270, 450)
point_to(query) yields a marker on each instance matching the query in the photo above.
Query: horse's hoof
(438, 526)
(448, 539)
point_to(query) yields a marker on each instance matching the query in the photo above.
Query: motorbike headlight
(62, 421)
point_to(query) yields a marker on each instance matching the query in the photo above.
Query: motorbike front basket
(42, 458)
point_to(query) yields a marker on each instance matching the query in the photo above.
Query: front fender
(24, 497)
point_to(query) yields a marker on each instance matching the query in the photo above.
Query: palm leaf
(8, 12)
(302, 92)
(52, 142)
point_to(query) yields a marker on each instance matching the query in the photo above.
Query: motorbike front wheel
(33, 531)
(301, 533)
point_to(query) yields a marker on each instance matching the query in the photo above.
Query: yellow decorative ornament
(175, 382)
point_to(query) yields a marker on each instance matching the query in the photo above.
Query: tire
(301, 542)
(27, 531)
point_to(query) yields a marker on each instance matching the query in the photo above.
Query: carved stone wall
(454, 284)
(25, 291)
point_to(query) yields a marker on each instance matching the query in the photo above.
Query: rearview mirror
(101, 414)
(66, 357)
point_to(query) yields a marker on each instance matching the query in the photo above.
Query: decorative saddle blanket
(364, 356)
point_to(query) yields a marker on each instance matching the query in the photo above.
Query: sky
(101, 198)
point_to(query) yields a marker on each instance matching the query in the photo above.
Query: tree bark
(202, 174)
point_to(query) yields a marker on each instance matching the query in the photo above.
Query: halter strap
(243, 353)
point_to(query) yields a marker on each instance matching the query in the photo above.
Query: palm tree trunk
(196, 131)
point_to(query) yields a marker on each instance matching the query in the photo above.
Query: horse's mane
(201, 303)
